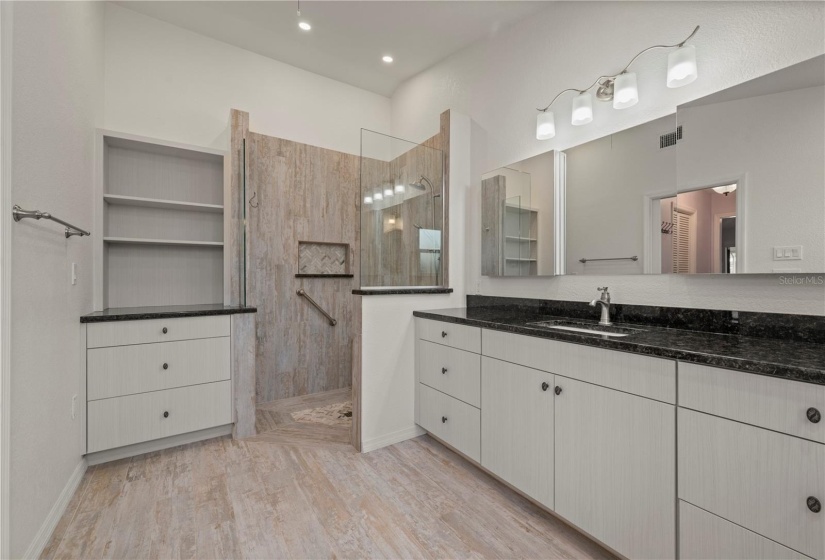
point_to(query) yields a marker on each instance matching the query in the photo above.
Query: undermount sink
(587, 328)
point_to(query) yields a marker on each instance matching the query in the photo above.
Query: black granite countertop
(163, 312)
(400, 291)
(799, 361)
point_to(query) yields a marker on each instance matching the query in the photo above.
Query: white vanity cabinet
(155, 378)
(615, 467)
(517, 427)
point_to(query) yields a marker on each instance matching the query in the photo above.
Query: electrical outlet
(74, 274)
(74, 406)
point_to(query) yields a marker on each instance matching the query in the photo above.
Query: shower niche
(402, 212)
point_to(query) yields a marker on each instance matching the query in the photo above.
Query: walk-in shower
(402, 212)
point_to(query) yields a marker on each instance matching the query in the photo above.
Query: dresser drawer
(125, 370)
(121, 333)
(455, 422)
(776, 404)
(756, 478)
(133, 419)
(654, 378)
(704, 536)
(450, 334)
(451, 371)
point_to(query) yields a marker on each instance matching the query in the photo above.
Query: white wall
(559, 48)
(388, 330)
(165, 82)
(57, 89)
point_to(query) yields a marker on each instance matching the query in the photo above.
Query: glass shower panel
(402, 212)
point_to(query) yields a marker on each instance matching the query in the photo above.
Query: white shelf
(518, 208)
(176, 242)
(519, 260)
(160, 203)
(520, 239)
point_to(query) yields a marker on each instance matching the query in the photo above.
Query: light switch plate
(788, 253)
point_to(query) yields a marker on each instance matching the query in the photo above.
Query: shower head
(419, 184)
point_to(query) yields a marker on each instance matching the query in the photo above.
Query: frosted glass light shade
(582, 109)
(625, 92)
(545, 125)
(368, 199)
(399, 189)
(725, 189)
(378, 195)
(681, 67)
(388, 192)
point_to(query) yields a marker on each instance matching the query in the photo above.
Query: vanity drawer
(704, 536)
(753, 477)
(125, 370)
(776, 404)
(133, 419)
(654, 378)
(449, 419)
(121, 333)
(450, 334)
(451, 371)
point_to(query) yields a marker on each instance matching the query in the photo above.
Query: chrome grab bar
(18, 214)
(633, 258)
(332, 321)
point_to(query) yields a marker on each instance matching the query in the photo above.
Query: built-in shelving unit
(160, 208)
(520, 240)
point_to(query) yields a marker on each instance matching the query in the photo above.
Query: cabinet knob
(558, 390)
(544, 386)
(443, 334)
(165, 366)
(443, 370)
(813, 415)
(166, 414)
(165, 330)
(814, 505)
(444, 421)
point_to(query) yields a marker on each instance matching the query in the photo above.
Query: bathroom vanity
(663, 443)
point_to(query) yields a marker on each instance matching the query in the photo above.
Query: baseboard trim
(156, 445)
(391, 438)
(41, 539)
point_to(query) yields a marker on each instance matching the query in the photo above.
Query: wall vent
(670, 139)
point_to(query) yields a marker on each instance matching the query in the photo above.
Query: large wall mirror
(732, 183)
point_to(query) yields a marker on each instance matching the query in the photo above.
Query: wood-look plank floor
(257, 498)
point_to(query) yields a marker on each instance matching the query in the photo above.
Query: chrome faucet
(604, 301)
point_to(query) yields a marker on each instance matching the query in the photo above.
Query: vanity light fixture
(388, 192)
(621, 88)
(399, 189)
(368, 200)
(387, 58)
(303, 24)
(378, 195)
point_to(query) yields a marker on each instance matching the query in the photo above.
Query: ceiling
(348, 38)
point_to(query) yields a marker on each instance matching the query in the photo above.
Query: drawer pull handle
(165, 330)
(814, 505)
(544, 386)
(444, 421)
(814, 415)
(443, 370)
(165, 366)
(443, 334)
(557, 390)
(166, 414)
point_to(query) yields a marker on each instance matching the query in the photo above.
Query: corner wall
(738, 41)
(57, 90)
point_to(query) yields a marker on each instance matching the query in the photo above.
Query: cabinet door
(615, 468)
(517, 427)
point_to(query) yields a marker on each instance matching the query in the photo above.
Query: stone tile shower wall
(304, 193)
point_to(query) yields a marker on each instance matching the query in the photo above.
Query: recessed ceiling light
(304, 25)
(387, 58)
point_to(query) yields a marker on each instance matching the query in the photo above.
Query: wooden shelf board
(161, 203)
(138, 241)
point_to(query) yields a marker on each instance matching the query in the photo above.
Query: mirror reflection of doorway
(699, 231)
